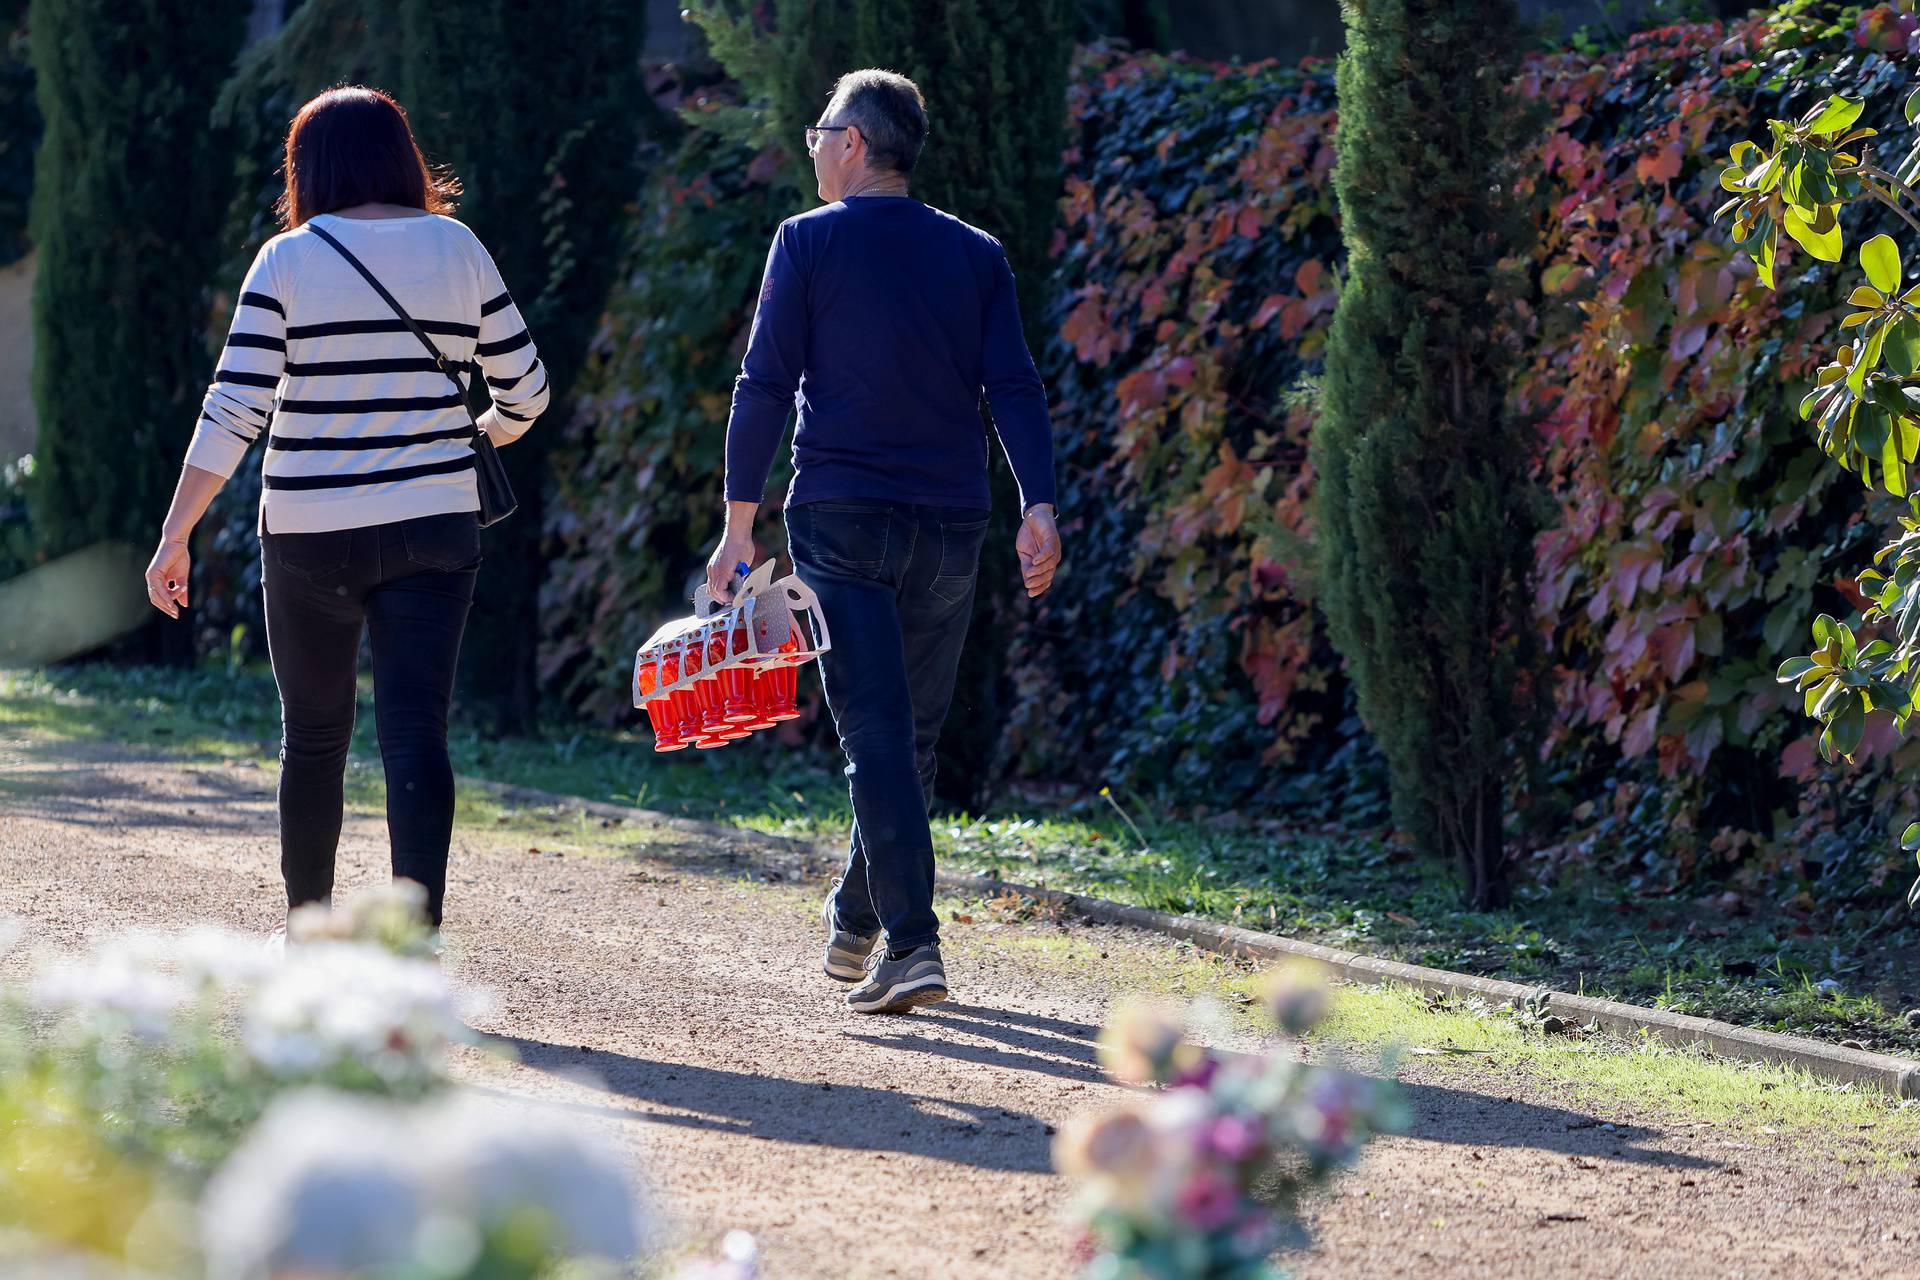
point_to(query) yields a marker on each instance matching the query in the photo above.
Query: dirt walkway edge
(1896, 1076)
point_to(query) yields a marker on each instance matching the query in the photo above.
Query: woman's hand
(167, 576)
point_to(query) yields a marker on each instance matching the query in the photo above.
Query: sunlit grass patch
(1654, 1081)
(1684, 1084)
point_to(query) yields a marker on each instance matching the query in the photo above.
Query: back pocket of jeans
(849, 538)
(959, 559)
(444, 542)
(312, 556)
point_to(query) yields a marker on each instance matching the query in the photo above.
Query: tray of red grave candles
(729, 670)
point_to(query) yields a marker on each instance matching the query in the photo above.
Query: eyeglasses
(815, 130)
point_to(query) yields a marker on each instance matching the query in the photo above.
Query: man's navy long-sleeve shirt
(883, 321)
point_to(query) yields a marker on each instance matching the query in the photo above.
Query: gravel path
(676, 997)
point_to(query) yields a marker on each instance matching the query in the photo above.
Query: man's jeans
(896, 587)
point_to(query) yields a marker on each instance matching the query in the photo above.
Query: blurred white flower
(334, 1001)
(118, 983)
(489, 1160)
(392, 915)
(739, 1260)
(324, 1183)
(332, 1183)
(208, 956)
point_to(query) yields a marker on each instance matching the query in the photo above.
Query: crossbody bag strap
(439, 356)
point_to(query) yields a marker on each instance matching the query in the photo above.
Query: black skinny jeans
(410, 584)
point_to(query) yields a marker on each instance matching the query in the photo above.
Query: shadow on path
(996, 1037)
(1463, 1117)
(849, 1116)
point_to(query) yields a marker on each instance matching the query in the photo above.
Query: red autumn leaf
(1660, 166)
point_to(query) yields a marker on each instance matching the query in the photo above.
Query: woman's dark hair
(352, 145)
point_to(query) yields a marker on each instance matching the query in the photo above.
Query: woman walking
(369, 504)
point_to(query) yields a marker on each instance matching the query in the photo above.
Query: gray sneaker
(895, 986)
(846, 958)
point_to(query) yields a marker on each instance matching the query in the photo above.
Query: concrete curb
(1898, 1077)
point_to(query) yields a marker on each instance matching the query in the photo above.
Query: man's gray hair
(890, 112)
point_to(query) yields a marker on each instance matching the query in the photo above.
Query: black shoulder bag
(490, 475)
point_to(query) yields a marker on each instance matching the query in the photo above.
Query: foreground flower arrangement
(195, 1104)
(1201, 1181)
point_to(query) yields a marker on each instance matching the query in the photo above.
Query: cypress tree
(19, 129)
(540, 109)
(994, 74)
(127, 229)
(1426, 515)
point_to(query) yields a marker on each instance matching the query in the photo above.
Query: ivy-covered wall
(1693, 531)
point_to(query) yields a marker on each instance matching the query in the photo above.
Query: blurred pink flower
(1236, 1138)
(1209, 1201)
(1193, 1070)
(1324, 1117)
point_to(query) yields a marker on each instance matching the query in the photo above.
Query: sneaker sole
(899, 1000)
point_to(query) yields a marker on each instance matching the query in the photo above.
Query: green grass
(1333, 887)
(1642, 1082)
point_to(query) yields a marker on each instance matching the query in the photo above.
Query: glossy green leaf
(1849, 727)
(1793, 668)
(1880, 258)
(1902, 346)
(1819, 235)
(1837, 117)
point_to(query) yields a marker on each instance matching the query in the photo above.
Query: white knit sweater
(365, 429)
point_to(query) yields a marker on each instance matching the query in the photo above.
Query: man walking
(884, 321)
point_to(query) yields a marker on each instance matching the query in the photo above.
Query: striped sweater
(365, 429)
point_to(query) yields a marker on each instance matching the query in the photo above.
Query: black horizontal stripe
(264, 302)
(500, 303)
(519, 400)
(517, 417)
(503, 346)
(229, 428)
(508, 384)
(338, 328)
(345, 368)
(384, 404)
(259, 340)
(451, 465)
(306, 444)
(242, 378)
